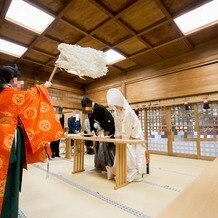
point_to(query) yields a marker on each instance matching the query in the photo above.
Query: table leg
(121, 168)
(68, 149)
(78, 157)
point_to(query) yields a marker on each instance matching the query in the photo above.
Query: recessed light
(27, 16)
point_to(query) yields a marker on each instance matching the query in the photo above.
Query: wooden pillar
(197, 129)
(169, 131)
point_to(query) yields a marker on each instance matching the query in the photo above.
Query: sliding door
(208, 130)
(184, 131)
(157, 131)
(179, 131)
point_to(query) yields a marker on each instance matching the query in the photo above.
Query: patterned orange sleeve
(40, 123)
(36, 114)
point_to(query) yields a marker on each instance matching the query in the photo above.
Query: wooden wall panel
(62, 93)
(66, 104)
(101, 96)
(190, 82)
(192, 73)
(103, 83)
(201, 55)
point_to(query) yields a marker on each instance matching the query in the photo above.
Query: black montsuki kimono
(104, 117)
(105, 152)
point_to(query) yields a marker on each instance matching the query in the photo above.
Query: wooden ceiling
(142, 30)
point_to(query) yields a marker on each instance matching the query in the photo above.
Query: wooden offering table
(68, 148)
(121, 168)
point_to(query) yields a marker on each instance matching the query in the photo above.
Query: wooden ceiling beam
(44, 53)
(134, 34)
(105, 11)
(58, 17)
(41, 7)
(118, 15)
(85, 33)
(92, 32)
(118, 68)
(169, 16)
(191, 7)
(86, 78)
(101, 8)
(32, 61)
(54, 39)
(147, 29)
(47, 64)
(159, 46)
(163, 8)
(115, 18)
(70, 24)
(155, 25)
(6, 5)
(13, 41)
(119, 22)
(132, 68)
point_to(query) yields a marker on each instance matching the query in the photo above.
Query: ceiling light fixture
(113, 56)
(199, 18)
(11, 48)
(27, 16)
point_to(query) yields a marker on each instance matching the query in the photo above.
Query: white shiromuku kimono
(128, 126)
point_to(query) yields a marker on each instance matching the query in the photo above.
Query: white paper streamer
(82, 61)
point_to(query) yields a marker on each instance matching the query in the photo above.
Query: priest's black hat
(7, 73)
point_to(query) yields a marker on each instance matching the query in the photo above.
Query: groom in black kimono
(99, 113)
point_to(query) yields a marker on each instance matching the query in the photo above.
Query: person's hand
(106, 133)
(47, 84)
(97, 126)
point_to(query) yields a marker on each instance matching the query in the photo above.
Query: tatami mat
(89, 194)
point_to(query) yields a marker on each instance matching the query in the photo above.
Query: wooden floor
(90, 195)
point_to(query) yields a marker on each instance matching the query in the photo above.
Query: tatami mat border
(21, 214)
(97, 195)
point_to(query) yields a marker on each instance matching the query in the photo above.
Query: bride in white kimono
(127, 126)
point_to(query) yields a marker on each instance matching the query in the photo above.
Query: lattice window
(157, 129)
(183, 122)
(208, 121)
(183, 129)
(141, 116)
(208, 125)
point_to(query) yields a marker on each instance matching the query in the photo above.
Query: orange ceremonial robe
(33, 110)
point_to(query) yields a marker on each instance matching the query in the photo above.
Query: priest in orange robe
(27, 125)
